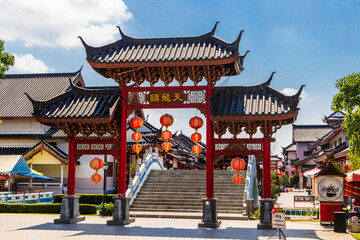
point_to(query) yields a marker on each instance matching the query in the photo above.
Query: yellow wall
(53, 171)
(43, 158)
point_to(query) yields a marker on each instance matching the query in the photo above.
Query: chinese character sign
(161, 97)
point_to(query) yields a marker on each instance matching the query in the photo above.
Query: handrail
(28, 198)
(152, 161)
(251, 187)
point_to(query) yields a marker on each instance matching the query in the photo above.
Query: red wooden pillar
(266, 168)
(122, 145)
(209, 148)
(71, 167)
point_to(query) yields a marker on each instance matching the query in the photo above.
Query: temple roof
(13, 102)
(79, 103)
(51, 147)
(250, 101)
(13, 150)
(309, 133)
(130, 52)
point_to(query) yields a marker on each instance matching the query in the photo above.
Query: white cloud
(293, 91)
(58, 23)
(28, 64)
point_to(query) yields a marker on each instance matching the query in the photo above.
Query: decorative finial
(245, 53)
(270, 78)
(238, 38)
(121, 32)
(83, 42)
(299, 92)
(214, 29)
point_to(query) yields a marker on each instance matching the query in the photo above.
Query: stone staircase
(182, 191)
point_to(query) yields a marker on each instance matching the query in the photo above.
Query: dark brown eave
(17, 118)
(211, 62)
(55, 121)
(251, 118)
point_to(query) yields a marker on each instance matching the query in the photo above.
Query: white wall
(21, 126)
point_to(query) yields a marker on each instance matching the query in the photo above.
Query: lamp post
(105, 167)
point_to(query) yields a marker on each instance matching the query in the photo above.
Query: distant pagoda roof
(43, 86)
(159, 53)
(253, 102)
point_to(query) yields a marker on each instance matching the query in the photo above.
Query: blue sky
(306, 42)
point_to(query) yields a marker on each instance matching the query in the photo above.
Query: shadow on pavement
(221, 233)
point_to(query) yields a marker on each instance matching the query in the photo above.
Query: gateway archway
(103, 112)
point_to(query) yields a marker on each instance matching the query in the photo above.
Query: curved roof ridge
(126, 40)
(32, 75)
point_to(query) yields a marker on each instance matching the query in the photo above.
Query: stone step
(182, 191)
(240, 211)
(182, 204)
(164, 198)
(190, 188)
(186, 197)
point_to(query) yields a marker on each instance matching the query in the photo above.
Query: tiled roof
(79, 103)
(290, 148)
(49, 146)
(157, 50)
(13, 150)
(42, 87)
(309, 133)
(255, 100)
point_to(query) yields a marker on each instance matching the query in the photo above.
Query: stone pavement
(29, 227)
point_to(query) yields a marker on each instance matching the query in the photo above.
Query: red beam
(210, 148)
(238, 140)
(122, 145)
(71, 165)
(96, 152)
(168, 88)
(225, 152)
(266, 170)
(91, 140)
(153, 106)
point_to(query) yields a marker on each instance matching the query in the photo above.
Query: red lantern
(346, 168)
(137, 148)
(136, 122)
(166, 146)
(96, 178)
(196, 122)
(166, 135)
(166, 120)
(238, 179)
(96, 163)
(293, 170)
(136, 136)
(238, 164)
(196, 149)
(196, 137)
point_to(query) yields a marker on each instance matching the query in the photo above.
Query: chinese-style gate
(234, 109)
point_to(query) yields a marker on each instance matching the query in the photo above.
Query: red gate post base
(121, 212)
(69, 210)
(266, 206)
(209, 214)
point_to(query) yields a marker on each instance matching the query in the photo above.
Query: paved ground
(14, 227)
(286, 199)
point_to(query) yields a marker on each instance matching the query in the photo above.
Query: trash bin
(340, 222)
(309, 192)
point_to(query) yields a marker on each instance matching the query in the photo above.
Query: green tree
(6, 60)
(284, 180)
(348, 100)
(294, 180)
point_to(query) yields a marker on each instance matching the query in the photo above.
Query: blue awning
(37, 177)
